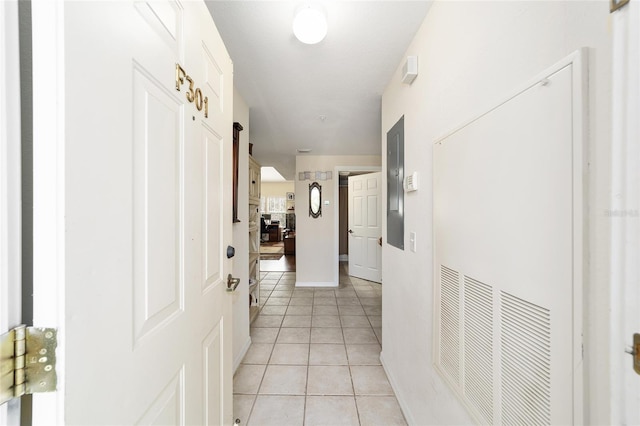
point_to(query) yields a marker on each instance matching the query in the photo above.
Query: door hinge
(635, 352)
(27, 361)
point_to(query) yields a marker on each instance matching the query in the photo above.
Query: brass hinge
(635, 352)
(27, 361)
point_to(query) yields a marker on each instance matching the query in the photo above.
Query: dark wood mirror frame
(318, 213)
(237, 128)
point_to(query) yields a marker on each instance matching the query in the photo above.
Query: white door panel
(623, 216)
(145, 304)
(365, 228)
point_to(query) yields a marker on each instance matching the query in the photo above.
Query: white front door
(624, 215)
(142, 201)
(10, 223)
(365, 227)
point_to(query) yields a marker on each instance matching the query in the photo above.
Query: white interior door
(625, 204)
(365, 226)
(10, 223)
(141, 198)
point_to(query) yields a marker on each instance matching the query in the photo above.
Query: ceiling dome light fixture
(310, 24)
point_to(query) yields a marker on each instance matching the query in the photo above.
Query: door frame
(10, 184)
(336, 208)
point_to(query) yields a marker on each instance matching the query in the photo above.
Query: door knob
(350, 231)
(232, 283)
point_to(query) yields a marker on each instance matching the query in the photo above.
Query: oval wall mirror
(315, 200)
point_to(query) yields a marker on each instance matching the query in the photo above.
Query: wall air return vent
(526, 362)
(478, 346)
(450, 324)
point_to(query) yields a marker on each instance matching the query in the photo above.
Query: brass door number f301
(194, 96)
(617, 4)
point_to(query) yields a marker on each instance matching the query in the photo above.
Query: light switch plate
(412, 241)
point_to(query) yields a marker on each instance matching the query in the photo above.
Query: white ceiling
(290, 86)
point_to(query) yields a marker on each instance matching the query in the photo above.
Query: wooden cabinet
(254, 238)
(254, 182)
(290, 244)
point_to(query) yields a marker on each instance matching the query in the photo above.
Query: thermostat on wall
(411, 182)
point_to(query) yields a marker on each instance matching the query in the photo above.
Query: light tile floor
(315, 357)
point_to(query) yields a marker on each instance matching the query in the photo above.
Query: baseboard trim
(316, 284)
(243, 352)
(394, 385)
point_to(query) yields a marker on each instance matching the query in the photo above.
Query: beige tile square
(279, 301)
(302, 292)
(327, 354)
(258, 353)
(324, 292)
(364, 354)
(295, 301)
(325, 310)
(329, 380)
(297, 321)
(276, 410)
(348, 301)
(351, 310)
(351, 321)
(274, 310)
(284, 380)
(373, 310)
(294, 335)
(375, 320)
(366, 292)
(267, 287)
(264, 335)
(380, 411)
(281, 293)
(324, 301)
(331, 411)
(247, 378)
(370, 380)
(290, 354)
(299, 310)
(285, 286)
(326, 335)
(269, 321)
(345, 292)
(371, 301)
(378, 331)
(325, 321)
(242, 407)
(276, 275)
(359, 335)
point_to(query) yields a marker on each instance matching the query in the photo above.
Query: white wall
(241, 340)
(316, 243)
(471, 55)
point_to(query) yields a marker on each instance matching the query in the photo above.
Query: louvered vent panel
(526, 362)
(478, 346)
(449, 323)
